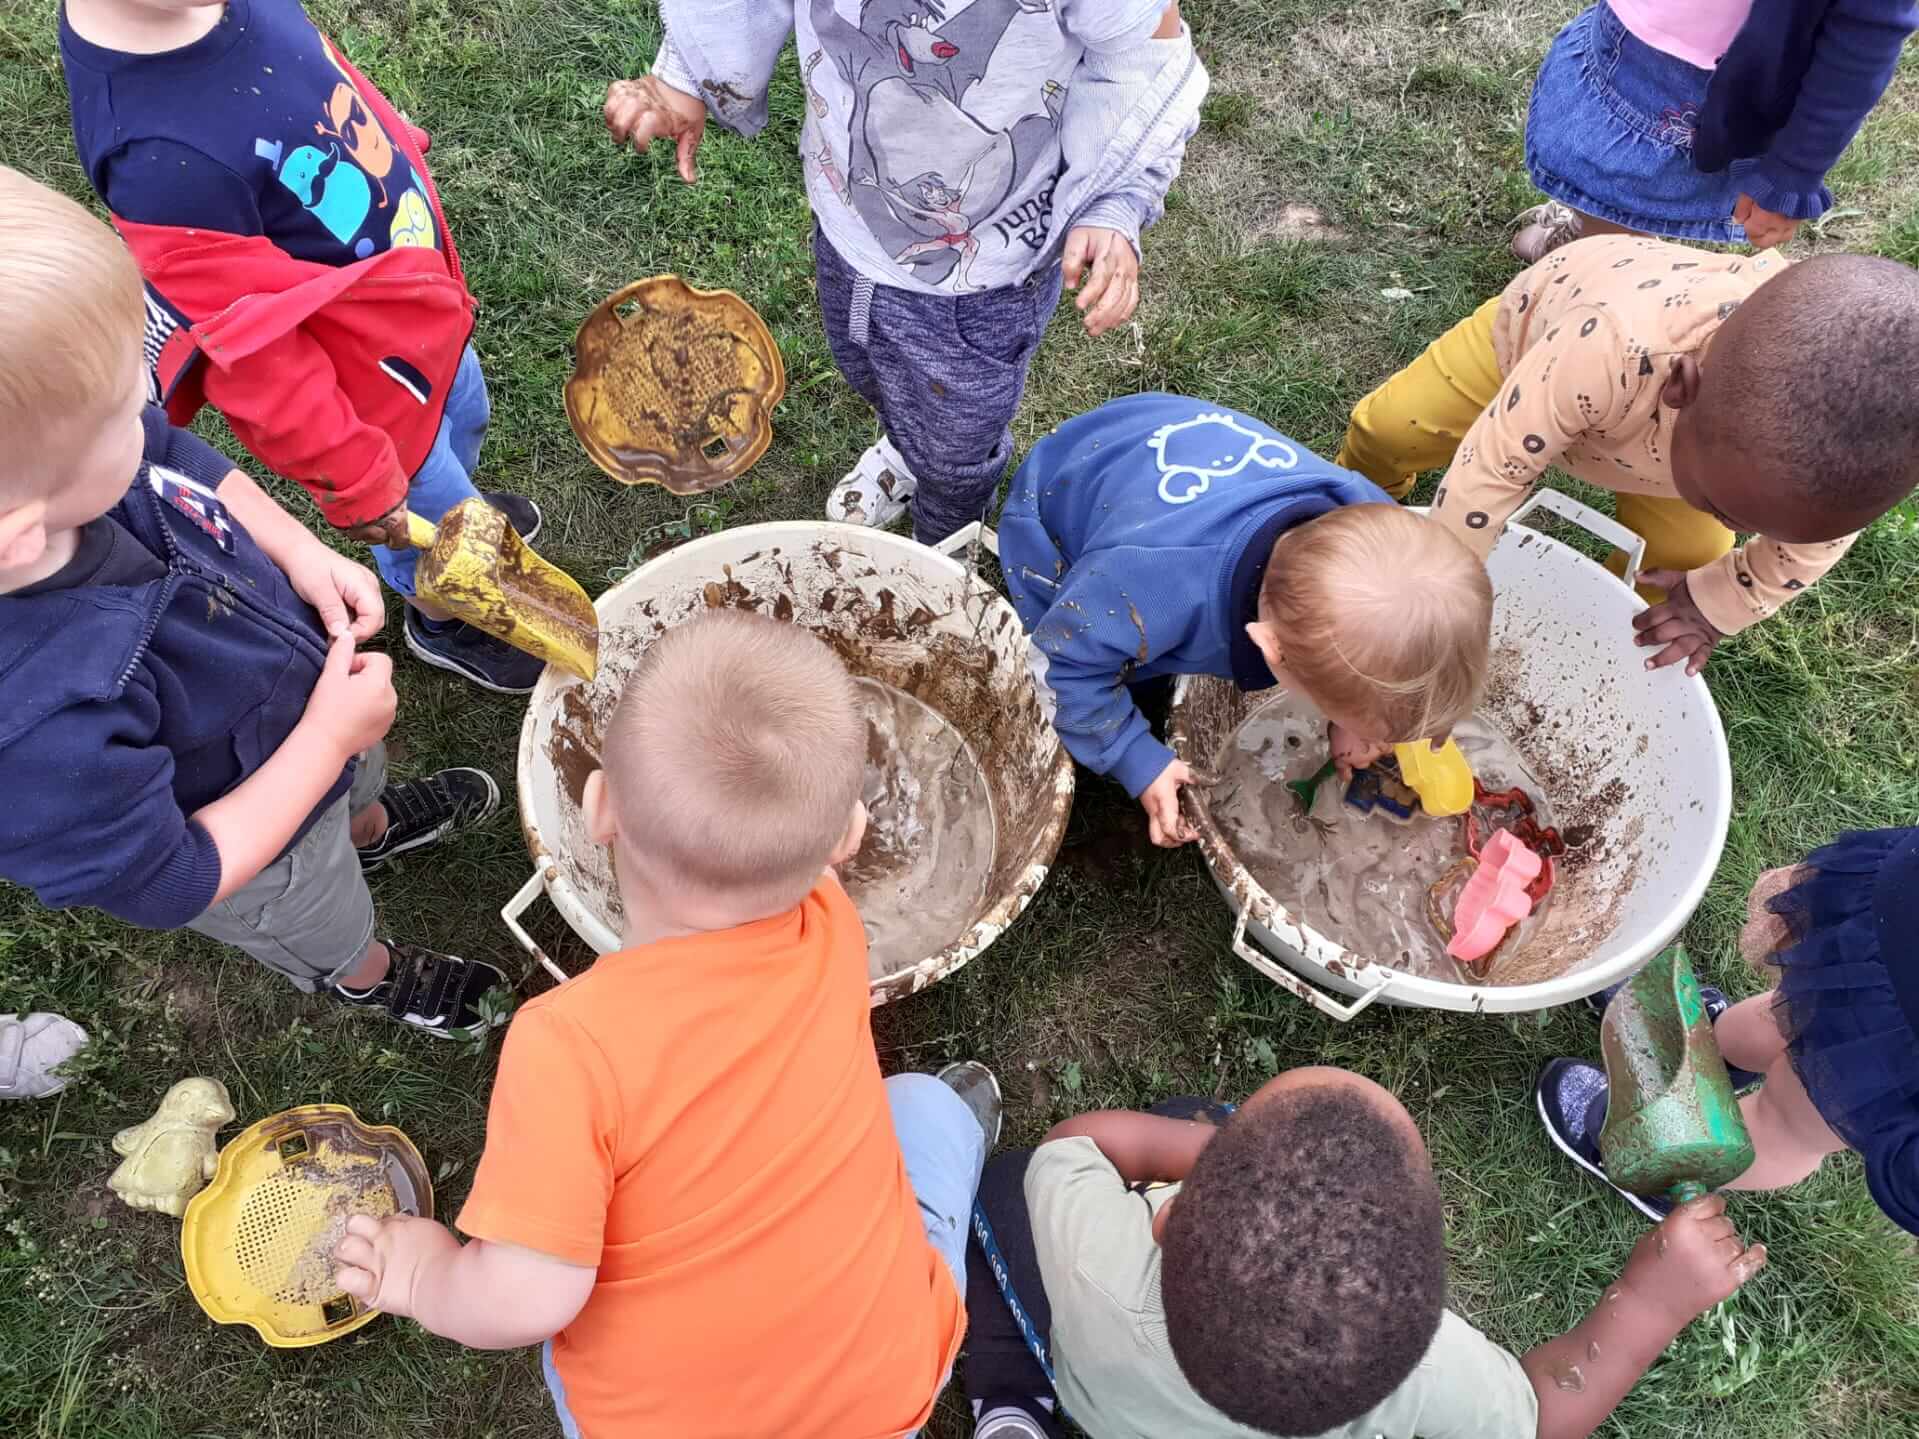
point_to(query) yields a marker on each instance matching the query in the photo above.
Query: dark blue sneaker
(521, 513)
(1572, 1105)
(1716, 1004)
(490, 664)
(421, 811)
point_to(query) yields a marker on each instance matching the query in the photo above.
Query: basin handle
(1593, 522)
(1294, 985)
(517, 906)
(965, 535)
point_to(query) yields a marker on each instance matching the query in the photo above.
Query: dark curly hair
(1818, 393)
(1304, 1269)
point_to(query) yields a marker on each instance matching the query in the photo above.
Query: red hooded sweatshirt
(334, 377)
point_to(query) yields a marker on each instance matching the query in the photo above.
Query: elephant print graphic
(1193, 453)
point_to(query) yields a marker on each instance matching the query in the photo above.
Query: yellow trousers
(1416, 420)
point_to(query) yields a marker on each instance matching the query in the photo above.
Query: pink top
(1696, 31)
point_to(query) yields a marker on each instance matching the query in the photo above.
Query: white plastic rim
(897, 610)
(1563, 653)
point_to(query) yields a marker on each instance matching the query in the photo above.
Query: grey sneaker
(1543, 229)
(974, 1083)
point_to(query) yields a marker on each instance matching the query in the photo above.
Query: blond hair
(1382, 613)
(735, 759)
(72, 312)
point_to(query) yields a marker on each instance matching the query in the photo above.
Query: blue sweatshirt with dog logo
(1134, 542)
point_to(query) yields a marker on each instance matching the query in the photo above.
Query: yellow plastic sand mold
(258, 1241)
(1441, 778)
(674, 386)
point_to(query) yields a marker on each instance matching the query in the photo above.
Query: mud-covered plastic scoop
(1673, 1126)
(1441, 777)
(674, 386)
(475, 565)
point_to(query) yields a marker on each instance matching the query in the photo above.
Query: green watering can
(1673, 1125)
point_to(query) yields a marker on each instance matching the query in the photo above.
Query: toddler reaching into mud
(1158, 535)
(1168, 1284)
(696, 1187)
(1715, 394)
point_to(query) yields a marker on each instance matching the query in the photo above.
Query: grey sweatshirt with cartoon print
(950, 145)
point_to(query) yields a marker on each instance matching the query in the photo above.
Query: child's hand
(1693, 1260)
(1764, 229)
(346, 595)
(381, 1260)
(1765, 933)
(1112, 286)
(354, 701)
(1678, 624)
(1160, 800)
(1350, 752)
(389, 530)
(638, 112)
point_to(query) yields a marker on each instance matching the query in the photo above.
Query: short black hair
(1304, 1262)
(1818, 393)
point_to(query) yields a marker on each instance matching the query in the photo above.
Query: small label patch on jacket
(195, 501)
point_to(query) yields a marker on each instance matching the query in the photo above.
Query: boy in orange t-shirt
(696, 1184)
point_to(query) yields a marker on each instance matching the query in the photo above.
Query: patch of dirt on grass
(1117, 1005)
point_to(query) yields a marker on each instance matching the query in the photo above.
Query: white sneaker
(876, 490)
(31, 1049)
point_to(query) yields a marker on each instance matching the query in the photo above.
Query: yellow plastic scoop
(476, 566)
(1440, 777)
(258, 1241)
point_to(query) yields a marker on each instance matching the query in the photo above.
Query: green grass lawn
(1347, 149)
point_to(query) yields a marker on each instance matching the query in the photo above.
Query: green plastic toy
(1673, 1125)
(1307, 790)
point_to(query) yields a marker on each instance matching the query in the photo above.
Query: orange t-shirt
(703, 1119)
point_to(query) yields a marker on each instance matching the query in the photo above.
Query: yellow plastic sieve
(258, 1240)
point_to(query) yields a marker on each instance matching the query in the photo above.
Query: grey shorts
(309, 914)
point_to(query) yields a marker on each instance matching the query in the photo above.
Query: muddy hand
(1765, 933)
(388, 530)
(638, 112)
(1104, 260)
(1678, 625)
(1160, 799)
(1693, 1260)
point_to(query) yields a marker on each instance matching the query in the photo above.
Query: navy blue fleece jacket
(1134, 542)
(155, 672)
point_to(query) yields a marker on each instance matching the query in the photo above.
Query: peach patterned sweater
(1585, 340)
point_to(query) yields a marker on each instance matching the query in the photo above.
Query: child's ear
(1265, 639)
(596, 808)
(1160, 1217)
(1682, 385)
(23, 535)
(855, 835)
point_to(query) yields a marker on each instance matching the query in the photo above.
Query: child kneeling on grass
(696, 1186)
(1159, 536)
(1288, 1279)
(189, 739)
(1716, 394)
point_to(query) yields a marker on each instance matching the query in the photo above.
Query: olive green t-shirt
(1116, 1373)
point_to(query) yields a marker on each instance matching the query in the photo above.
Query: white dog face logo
(1193, 453)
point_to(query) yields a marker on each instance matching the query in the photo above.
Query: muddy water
(920, 877)
(1360, 880)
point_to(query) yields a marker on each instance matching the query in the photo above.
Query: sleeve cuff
(1140, 763)
(481, 1219)
(1717, 594)
(180, 891)
(671, 69)
(1796, 194)
(1117, 212)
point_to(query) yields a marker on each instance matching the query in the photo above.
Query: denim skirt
(1610, 130)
